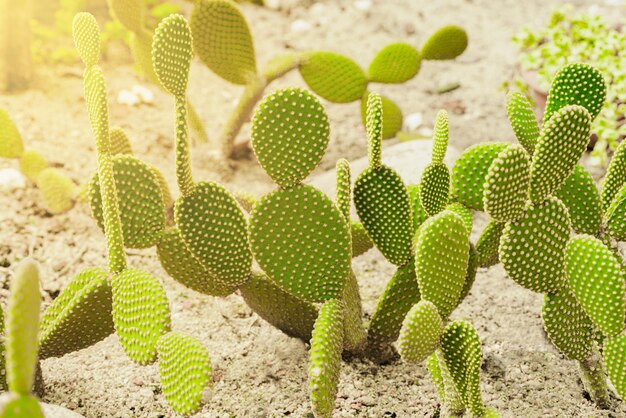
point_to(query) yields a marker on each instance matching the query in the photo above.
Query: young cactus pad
(32, 163)
(172, 53)
(440, 137)
(615, 176)
(392, 115)
(334, 77)
(580, 195)
(11, 144)
(446, 43)
(57, 189)
(615, 217)
(488, 244)
(395, 63)
(615, 358)
(421, 331)
(523, 120)
(435, 188)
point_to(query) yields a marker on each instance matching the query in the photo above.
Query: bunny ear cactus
(11, 143)
(58, 190)
(487, 246)
(32, 163)
(580, 195)
(392, 114)
(119, 142)
(333, 77)
(395, 63)
(446, 43)
(420, 333)
(615, 176)
(523, 120)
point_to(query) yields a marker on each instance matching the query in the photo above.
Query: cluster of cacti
(58, 191)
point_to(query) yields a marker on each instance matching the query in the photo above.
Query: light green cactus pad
(180, 264)
(506, 185)
(168, 201)
(131, 13)
(97, 108)
(464, 213)
(615, 176)
(440, 137)
(392, 115)
(470, 275)
(290, 314)
(343, 187)
(119, 142)
(374, 129)
(401, 293)
(325, 358)
(420, 333)
(446, 43)
(302, 241)
(470, 170)
(141, 313)
(11, 144)
(435, 188)
(13, 405)
(214, 229)
(87, 38)
(361, 242)
(523, 120)
(432, 363)
(395, 63)
(615, 361)
(488, 244)
(580, 195)
(597, 280)
(185, 370)
(460, 345)
(32, 163)
(172, 53)
(567, 325)
(441, 260)
(142, 210)
(615, 216)
(532, 249)
(79, 317)
(222, 40)
(563, 141)
(576, 84)
(419, 214)
(58, 190)
(334, 77)
(382, 203)
(290, 133)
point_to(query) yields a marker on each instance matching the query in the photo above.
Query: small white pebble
(11, 178)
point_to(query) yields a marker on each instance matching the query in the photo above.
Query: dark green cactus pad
(142, 210)
(419, 214)
(32, 163)
(596, 279)
(214, 229)
(401, 293)
(180, 264)
(488, 244)
(470, 275)
(615, 216)
(441, 260)
(361, 242)
(567, 325)
(141, 313)
(440, 137)
(79, 317)
(460, 345)
(523, 120)
(580, 195)
(13, 405)
(420, 333)
(290, 133)
(172, 53)
(615, 176)
(58, 190)
(506, 185)
(576, 84)
(222, 40)
(131, 13)
(119, 142)
(470, 170)
(464, 213)
(185, 370)
(302, 241)
(615, 360)
(334, 77)
(325, 358)
(87, 38)
(395, 63)
(290, 314)
(382, 203)
(435, 188)
(446, 43)
(532, 249)
(392, 115)
(11, 144)
(563, 141)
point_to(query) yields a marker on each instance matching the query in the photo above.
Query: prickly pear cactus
(334, 77)
(32, 163)
(393, 117)
(615, 176)
(523, 120)
(57, 189)
(421, 331)
(580, 195)
(446, 43)
(440, 137)
(615, 357)
(488, 244)
(11, 144)
(435, 188)
(119, 143)
(395, 63)
(615, 216)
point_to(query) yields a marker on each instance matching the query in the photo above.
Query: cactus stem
(183, 160)
(594, 380)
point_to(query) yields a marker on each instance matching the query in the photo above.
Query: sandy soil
(258, 371)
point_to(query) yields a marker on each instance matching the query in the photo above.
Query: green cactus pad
(563, 141)
(446, 43)
(185, 370)
(567, 325)
(141, 206)
(325, 358)
(302, 241)
(119, 142)
(392, 115)
(22, 327)
(576, 84)
(374, 129)
(361, 242)
(441, 137)
(441, 260)
(464, 213)
(470, 275)
(460, 345)
(172, 53)
(432, 363)
(420, 333)
(140, 312)
(470, 170)
(401, 293)
(615, 360)
(214, 229)
(57, 189)
(180, 264)
(580, 195)
(168, 201)
(523, 120)
(13, 405)
(395, 63)
(532, 249)
(488, 244)
(222, 40)
(79, 317)
(290, 314)
(435, 188)
(87, 38)
(343, 187)
(32, 163)
(615, 176)
(382, 203)
(419, 214)
(596, 279)
(506, 184)
(131, 13)
(290, 133)
(11, 144)
(615, 216)
(334, 77)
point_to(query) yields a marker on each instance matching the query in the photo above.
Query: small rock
(11, 178)
(413, 121)
(300, 25)
(363, 5)
(138, 381)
